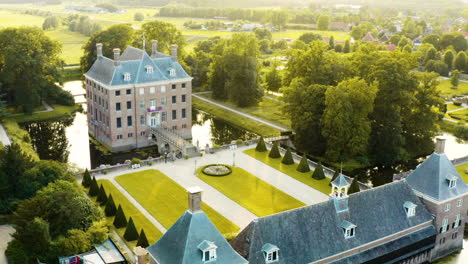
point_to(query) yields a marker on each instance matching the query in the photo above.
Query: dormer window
(208, 250)
(127, 77)
(172, 72)
(349, 229)
(270, 253)
(149, 69)
(410, 209)
(452, 181)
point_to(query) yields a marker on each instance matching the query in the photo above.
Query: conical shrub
(261, 147)
(335, 175)
(110, 209)
(318, 172)
(131, 232)
(120, 220)
(102, 196)
(94, 187)
(274, 152)
(303, 165)
(86, 182)
(354, 187)
(142, 240)
(288, 158)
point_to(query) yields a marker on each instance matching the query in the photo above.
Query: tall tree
(288, 158)
(331, 42)
(347, 47)
(323, 22)
(86, 182)
(165, 33)
(279, 18)
(460, 62)
(448, 59)
(318, 172)
(454, 78)
(273, 79)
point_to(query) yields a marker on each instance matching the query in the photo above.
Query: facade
(193, 239)
(134, 94)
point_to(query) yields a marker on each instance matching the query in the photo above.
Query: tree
(165, 33)
(98, 232)
(139, 16)
(263, 33)
(460, 61)
(86, 182)
(116, 36)
(454, 78)
(431, 54)
(110, 209)
(120, 220)
(34, 235)
(335, 175)
(346, 126)
(273, 79)
(354, 187)
(432, 39)
(75, 241)
(309, 37)
(318, 172)
(323, 22)
(52, 22)
(131, 232)
(338, 48)
(274, 152)
(279, 18)
(288, 158)
(261, 147)
(142, 240)
(347, 47)
(102, 196)
(303, 164)
(448, 59)
(331, 42)
(94, 187)
(357, 33)
(404, 41)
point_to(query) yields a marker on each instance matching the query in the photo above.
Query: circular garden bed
(217, 170)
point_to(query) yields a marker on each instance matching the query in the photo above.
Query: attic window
(452, 181)
(208, 250)
(270, 253)
(172, 72)
(149, 69)
(410, 209)
(127, 77)
(349, 229)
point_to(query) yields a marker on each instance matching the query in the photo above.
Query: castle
(416, 220)
(135, 99)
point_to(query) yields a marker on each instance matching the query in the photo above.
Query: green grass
(235, 119)
(72, 43)
(446, 90)
(20, 137)
(166, 200)
(461, 170)
(252, 193)
(12, 19)
(295, 34)
(59, 111)
(462, 114)
(306, 178)
(451, 107)
(152, 233)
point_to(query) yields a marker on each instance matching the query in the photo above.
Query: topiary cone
(261, 147)
(303, 165)
(110, 209)
(274, 152)
(120, 220)
(142, 240)
(288, 158)
(131, 232)
(318, 172)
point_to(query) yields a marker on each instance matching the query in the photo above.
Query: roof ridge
(188, 232)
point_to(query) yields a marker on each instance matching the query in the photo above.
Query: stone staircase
(174, 140)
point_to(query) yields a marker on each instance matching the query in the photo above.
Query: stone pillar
(174, 52)
(99, 49)
(440, 145)
(141, 255)
(154, 48)
(117, 57)
(195, 199)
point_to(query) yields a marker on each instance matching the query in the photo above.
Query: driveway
(5, 237)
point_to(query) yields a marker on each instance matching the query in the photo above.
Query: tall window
(457, 221)
(459, 203)
(183, 98)
(119, 122)
(142, 104)
(117, 107)
(142, 120)
(174, 99)
(163, 101)
(152, 90)
(129, 121)
(153, 103)
(174, 87)
(447, 207)
(174, 114)
(184, 114)
(142, 91)
(163, 89)
(117, 93)
(129, 91)
(163, 117)
(444, 225)
(129, 105)
(183, 85)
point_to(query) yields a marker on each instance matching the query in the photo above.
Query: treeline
(83, 24)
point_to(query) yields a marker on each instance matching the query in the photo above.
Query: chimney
(174, 52)
(195, 199)
(116, 57)
(154, 49)
(440, 145)
(99, 49)
(141, 255)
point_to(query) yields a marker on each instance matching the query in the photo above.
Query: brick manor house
(133, 94)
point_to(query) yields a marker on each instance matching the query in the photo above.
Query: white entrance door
(154, 119)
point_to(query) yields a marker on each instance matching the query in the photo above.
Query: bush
(303, 165)
(120, 220)
(150, 163)
(94, 187)
(261, 147)
(247, 143)
(461, 131)
(142, 240)
(105, 171)
(57, 95)
(131, 232)
(457, 103)
(110, 209)
(239, 141)
(288, 158)
(186, 157)
(274, 152)
(135, 161)
(86, 182)
(139, 17)
(354, 187)
(318, 172)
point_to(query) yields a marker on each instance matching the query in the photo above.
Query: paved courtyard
(5, 237)
(183, 172)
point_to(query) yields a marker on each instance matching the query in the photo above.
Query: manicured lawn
(252, 193)
(446, 88)
(20, 136)
(166, 200)
(461, 169)
(306, 178)
(462, 115)
(59, 111)
(235, 119)
(152, 233)
(451, 107)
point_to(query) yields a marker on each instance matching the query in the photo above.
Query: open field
(461, 170)
(141, 222)
(446, 88)
(11, 19)
(306, 178)
(71, 44)
(251, 192)
(166, 200)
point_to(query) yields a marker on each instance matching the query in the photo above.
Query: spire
(144, 41)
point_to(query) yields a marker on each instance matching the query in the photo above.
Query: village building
(138, 100)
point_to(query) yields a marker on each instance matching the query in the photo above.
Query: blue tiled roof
(179, 245)
(340, 181)
(135, 62)
(314, 232)
(431, 178)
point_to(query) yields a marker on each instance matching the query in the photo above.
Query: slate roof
(179, 245)
(314, 232)
(340, 181)
(135, 62)
(431, 178)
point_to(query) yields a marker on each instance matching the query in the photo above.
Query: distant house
(368, 38)
(340, 26)
(384, 38)
(105, 253)
(417, 41)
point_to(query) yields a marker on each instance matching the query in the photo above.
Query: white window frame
(271, 256)
(127, 77)
(149, 69)
(142, 91)
(349, 232)
(163, 88)
(444, 225)
(459, 202)
(447, 207)
(211, 255)
(172, 72)
(453, 183)
(142, 104)
(457, 220)
(152, 90)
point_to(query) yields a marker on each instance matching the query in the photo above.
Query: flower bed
(217, 170)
